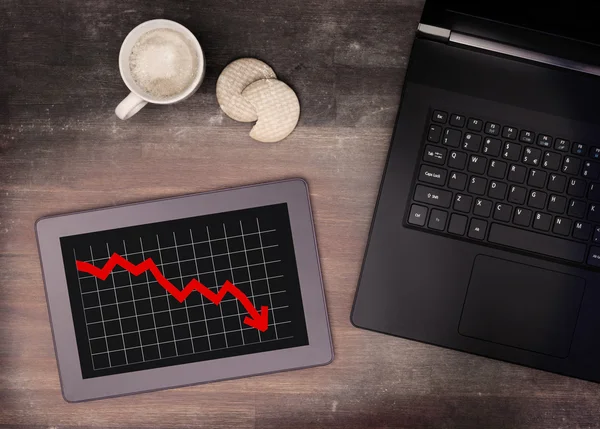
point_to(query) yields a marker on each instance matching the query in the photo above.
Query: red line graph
(254, 319)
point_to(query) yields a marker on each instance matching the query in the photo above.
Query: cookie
(277, 107)
(233, 80)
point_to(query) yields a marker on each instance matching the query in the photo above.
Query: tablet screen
(186, 290)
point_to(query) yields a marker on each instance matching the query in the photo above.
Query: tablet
(184, 290)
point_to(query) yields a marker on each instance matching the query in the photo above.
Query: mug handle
(129, 106)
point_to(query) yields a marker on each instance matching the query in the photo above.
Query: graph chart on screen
(255, 319)
(185, 290)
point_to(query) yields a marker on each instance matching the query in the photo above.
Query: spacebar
(538, 243)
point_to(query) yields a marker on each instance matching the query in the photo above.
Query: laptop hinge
(433, 32)
(525, 54)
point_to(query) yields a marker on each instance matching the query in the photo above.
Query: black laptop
(486, 234)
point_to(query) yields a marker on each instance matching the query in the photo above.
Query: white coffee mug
(138, 98)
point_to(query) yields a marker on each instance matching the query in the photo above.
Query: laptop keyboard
(490, 182)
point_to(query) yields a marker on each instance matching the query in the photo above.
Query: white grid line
(196, 242)
(248, 328)
(216, 281)
(87, 325)
(237, 302)
(206, 351)
(209, 287)
(163, 311)
(167, 296)
(249, 276)
(189, 260)
(101, 312)
(112, 277)
(267, 276)
(202, 297)
(137, 322)
(182, 285)
(144, 252)
(150, 298)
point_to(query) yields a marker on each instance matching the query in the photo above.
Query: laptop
(486, 233)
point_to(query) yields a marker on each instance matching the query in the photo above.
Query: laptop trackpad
(521, 306)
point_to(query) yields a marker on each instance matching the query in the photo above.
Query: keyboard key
(435, 155)
(472, 142)
(497, 169)
(517, 195)
(434, 134)
(509, 133)
(492, 129)
(458, 181)
(435, 197)
(451, 137)
(492, 147)
(522, 217)
(544, 140)
(457, 120)
(594, 213)
(462, 203)
(482, 207)
(591, 170)
(537, 243)
(417, 216)
(582, 231)
(517, 173)
(437, 220)
(594, 192)
(474, 124)
(552, 161)
(502, 212)
(477, 185)
(557, 204)
(537, 199)
(458, 224)
(562, 226)
(477, 164)
(497, 190)
(512, 151)
(596, 237)
(526, 136)
(432, 175)
(531, 156)
(579, 149)
(577, 208)
(457, 160)
(576, 188)
(595, 152)
(561, 145)
(594, 257)
(477, 229)
(557, 183)
(439, 116)
(537, 178)
(542, 221)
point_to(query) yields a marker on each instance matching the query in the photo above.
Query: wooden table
(62, 149)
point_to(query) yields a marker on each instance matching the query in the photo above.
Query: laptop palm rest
(521, 306)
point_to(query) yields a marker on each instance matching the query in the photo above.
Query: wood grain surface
(62, 149)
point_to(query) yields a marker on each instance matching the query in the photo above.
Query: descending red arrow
(255, 319)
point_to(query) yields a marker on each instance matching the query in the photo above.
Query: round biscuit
(277, 107)
(233, 80)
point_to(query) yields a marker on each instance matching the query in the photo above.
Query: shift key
(435, 197)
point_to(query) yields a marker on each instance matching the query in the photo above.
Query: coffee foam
(163, 62)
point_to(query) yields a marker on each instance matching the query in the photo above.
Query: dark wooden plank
(62, 149)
